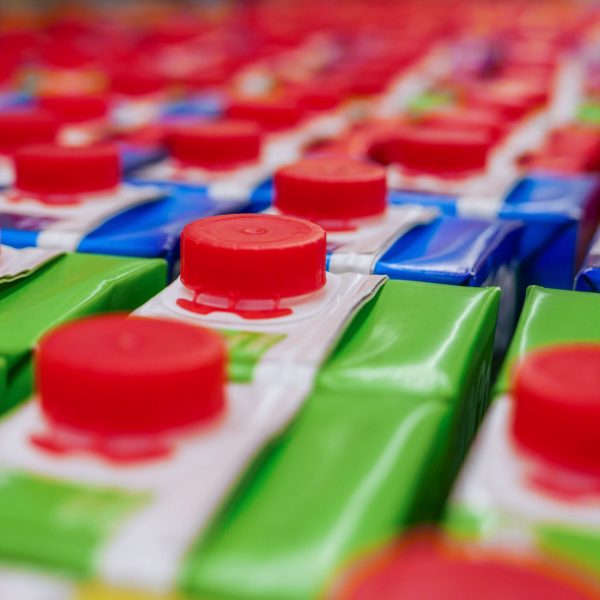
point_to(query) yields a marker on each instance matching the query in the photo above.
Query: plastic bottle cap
(48, 169)
(314, 96)
(370, 79)
(75, 108)
(424, 569)
(215, 144)
(270, 115)
(557, 405)
(25, 127)
(468, 119)
(207, 76)
(331, 190)
(512, 99)
(137, 81)
(436, 151)
(63, 53)
(119, 376)
(262, 257)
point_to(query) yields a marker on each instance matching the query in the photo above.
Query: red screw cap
(513, 99)
(314, 96)
(557, 405)
(21, 128)
(270, 115)
(253, 257)
(48, 169)
(137, 81)
(437, 151)
(204, 77)
(75, 108)
(331, 190)
(429, 569)
(215, 144)
(116, 376)
(468, 119)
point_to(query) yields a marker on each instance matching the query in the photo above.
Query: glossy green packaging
(373, 451)
(506, 507)
(67, 287)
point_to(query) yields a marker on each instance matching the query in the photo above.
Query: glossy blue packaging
(463, 252)
(588, 278)
(149, 230)
(559, 214)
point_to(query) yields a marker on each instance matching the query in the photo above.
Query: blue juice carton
(365, 234)
(73, 198)
(466, 161)
(558, 212)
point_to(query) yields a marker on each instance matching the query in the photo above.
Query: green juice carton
(41, 288)
(531, 483)
(342, 412)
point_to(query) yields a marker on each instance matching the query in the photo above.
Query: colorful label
(63, 226)
(26, 222)
(80, 516)
(245, 350)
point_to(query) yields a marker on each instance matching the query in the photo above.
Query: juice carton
(73, 198)
(221, 160)
(41, 288)
(367, 235)
(588, 278)
(138, 467)
(227, 285)
(559, 214)
(309, 489)
(314, 484)
(463, 157)
(542, 493)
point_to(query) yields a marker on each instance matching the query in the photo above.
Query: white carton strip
(17, 263)
(359, 251)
